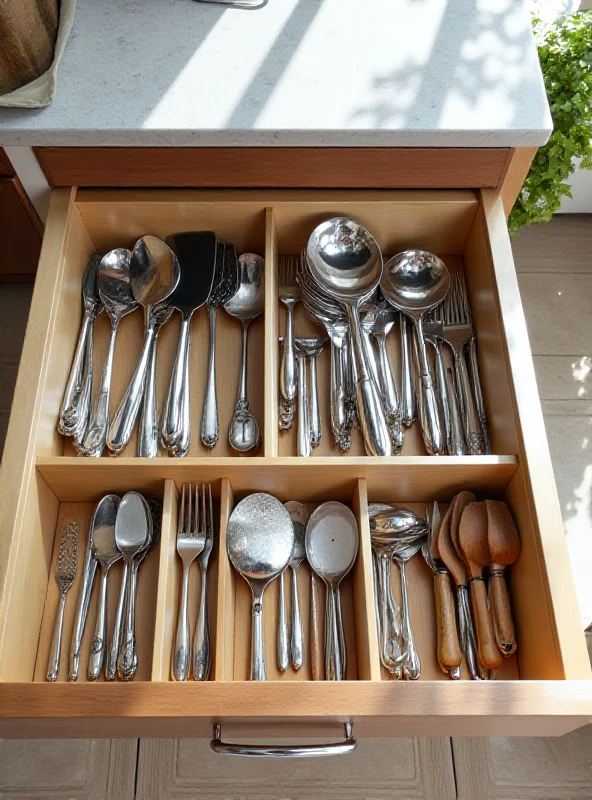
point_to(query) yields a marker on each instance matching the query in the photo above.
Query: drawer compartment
(545, 690)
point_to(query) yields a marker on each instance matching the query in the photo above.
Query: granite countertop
(393, 73)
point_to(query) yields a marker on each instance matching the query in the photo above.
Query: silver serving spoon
(259, 541)
(412, 665)
(77, 397)
(133, 531)
(299, 515)
(245, 305)
(155, 274)
(115, 291)
(345, 260)
(105, 551)
(331, 548)
(414, 282)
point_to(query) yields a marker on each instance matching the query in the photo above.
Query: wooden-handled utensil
(472, 534)
(456, 566)
(449, 652)
(504, 548)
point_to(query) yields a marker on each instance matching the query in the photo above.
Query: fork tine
(189, 526)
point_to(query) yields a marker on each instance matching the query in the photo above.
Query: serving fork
(201, 642)
(191, 539)
(457, 333)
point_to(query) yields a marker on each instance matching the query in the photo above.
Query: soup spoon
(345, 260)
(414, 282)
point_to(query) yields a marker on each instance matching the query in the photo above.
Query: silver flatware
(412, 665)
(225, 287)
(414, 282)
(433, 332)
(85, 591)
(289, 293)
(133, 532)
(304, 444)
(311, 348)
(191, 539)
(120, 615)
(246, 305)
(299, 516)
(345, 260)
(114, 282)
(75, 408)
(331, 549)
(65, 575)
(105, 551)
(260, 542)
(196, 253)
(384, 318)
(201, 644)
(408, 394)
(148, 429)
(154, 270)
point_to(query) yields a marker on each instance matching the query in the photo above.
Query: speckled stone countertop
(359, 73)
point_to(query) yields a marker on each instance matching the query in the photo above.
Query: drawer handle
(283, 751)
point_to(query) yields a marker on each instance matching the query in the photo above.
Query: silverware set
(121, 529)
(185, 272)
(264, 538)
(195, 540)
(344, 287)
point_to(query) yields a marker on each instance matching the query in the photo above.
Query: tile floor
(555, 272)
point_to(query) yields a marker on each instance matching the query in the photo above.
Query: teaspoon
(115, 291)
(245, 305)
(414, 282)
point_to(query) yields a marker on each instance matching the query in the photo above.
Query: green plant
(565, 53)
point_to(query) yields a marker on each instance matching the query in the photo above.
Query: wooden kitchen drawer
(546, 690)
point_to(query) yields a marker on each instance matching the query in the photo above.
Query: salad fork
(201, 643)
(191, 540)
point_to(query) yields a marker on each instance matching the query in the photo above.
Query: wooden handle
(502, 615)
(317, 646)
(487, 652)
(449, 654)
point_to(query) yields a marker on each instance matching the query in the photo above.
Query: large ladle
(346, 262)
(414, 282)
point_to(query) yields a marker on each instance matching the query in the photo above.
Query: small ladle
(345, 260)
(246, 304)
(155, 273)
(331, 548)
(414, 282)
(115, 291)
(259, 542)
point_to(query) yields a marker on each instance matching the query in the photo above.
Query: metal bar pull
(281, 750)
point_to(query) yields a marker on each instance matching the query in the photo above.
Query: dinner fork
(457, 332)
(455, 437)
(201, 642)
(191, 540)
(474, 363)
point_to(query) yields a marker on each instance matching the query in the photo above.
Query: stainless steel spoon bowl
(246, 304)
(331, 548)
(345, 260)
(259, 542)
(414, 282)
(155, 273)
(115, 291)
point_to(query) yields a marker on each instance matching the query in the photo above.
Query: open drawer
(546, 690)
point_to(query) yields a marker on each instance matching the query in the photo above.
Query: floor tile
(525, 769)
(564, 377)
(381, 769)
(563, 245)
(557, 308)
(570, 442)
